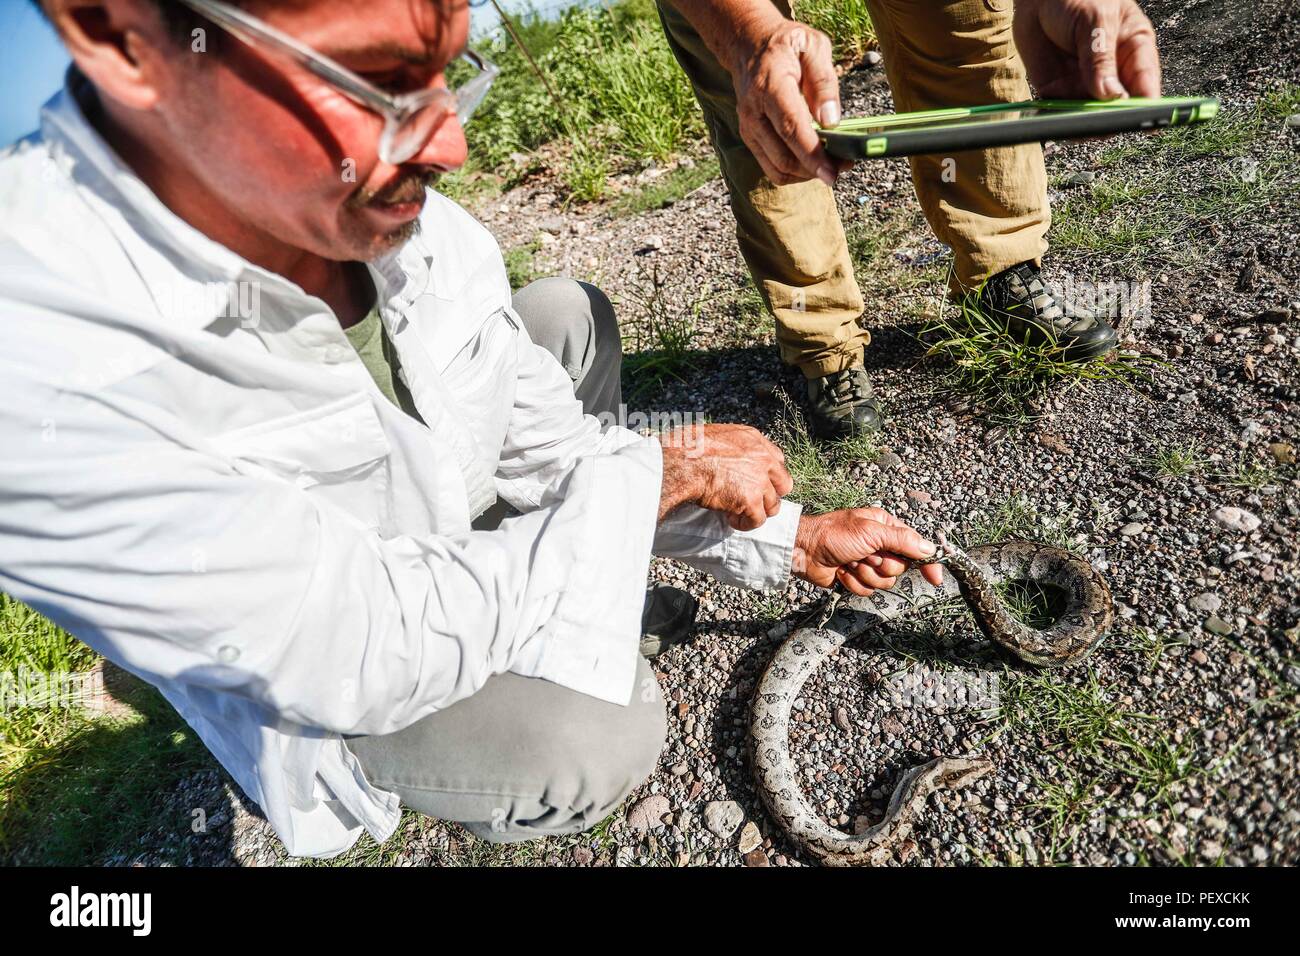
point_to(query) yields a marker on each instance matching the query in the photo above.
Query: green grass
(521, 268)
(1151, 645)
(1245, 473)
(1158, 192)
(1100, 747)
(749, 322)
(1234, 132)
(1153, 763)
(888, 284)
(1032, 603)
(663, 335)
(772, 607)
(1177, 461)
(1125, 232)
(586, 169)
(1005, 374)
(1074, 712)
(614, 97)
(1017, 517)
(820, 470)
(666, 190)
(846, 22)
(1068, 800)
(74, 787)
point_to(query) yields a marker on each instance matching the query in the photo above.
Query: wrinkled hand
(1089, 49)
(863, 548)
(784, 76)
(732, 469)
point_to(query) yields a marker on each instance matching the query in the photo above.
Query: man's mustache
(409, 188)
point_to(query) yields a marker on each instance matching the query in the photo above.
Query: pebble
(1217, 625)
(842, 719)
(1206, 602)
(1236, 519)
(1131, 529)
(648, 812)
(749, 838)
(723, 817)
(888, 461)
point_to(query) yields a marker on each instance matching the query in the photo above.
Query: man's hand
(728, 468)
(784, 77)
(863, 548)
(1089, 49)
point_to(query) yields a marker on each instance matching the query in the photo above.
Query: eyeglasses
(410, 119)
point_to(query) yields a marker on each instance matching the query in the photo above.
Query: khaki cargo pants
(990, 208)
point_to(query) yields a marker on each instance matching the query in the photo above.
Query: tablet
(1007, 124)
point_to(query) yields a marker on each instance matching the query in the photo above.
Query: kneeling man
(259, 380)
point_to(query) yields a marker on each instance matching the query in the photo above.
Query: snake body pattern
(975, 576)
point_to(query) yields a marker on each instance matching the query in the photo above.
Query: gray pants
(525, 758)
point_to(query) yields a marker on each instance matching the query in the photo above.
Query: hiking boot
(668, 619)
(1019, 298)
(843, 404)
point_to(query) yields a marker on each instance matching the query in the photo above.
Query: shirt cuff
(703, 539)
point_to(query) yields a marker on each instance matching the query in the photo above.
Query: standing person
(761, 79)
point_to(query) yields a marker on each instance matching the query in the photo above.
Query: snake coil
(975, 576)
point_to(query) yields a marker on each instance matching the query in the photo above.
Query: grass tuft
(1177, 461)
(820, 470)
(1160, 193)
(1008, 375)
(663, 335)
(521, 268)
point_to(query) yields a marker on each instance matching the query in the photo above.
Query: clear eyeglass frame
(410, 119)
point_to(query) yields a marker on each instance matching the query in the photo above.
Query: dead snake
(974, 575)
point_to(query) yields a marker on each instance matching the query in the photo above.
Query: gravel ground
(1177, 741)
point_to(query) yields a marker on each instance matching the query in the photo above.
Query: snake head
(961, 772)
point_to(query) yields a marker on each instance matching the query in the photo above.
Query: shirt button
(334, 354)
(227, 654)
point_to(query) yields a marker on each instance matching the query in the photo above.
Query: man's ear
(114, 43)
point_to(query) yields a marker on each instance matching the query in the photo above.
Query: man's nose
(446, 148)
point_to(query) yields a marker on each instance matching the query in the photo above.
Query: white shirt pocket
(338, 452)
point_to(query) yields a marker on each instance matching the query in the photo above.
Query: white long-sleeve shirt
(200, 480)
